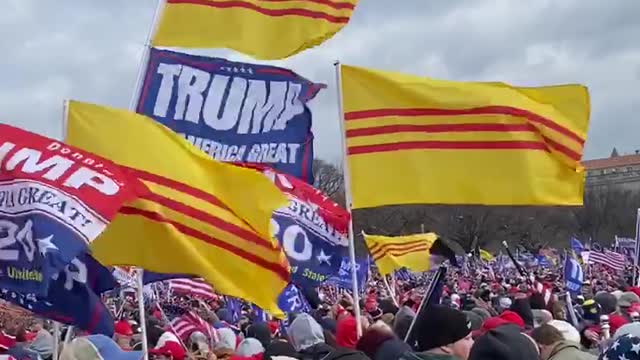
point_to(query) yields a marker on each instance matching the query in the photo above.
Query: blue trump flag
(311, 231)
(235, 112)
(343, 277)
(573, 275)
(576, 246)
(54, 200)
(73, 297)
(291, 300)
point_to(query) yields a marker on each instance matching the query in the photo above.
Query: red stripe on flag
(176, 185)
(448, 145)
(383, 247)
(396, 253)
(209, 219)
(440, 128)
(196, 287)
(334, 4)
(484, 110)
(277, 268)
(269, 12)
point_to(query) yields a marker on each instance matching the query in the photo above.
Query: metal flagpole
(349, 203)
(135, 97)
(56, 340)
(143, 320)
(636, 278)
(391, 292)
(144, 61)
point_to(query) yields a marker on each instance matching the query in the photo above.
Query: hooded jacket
(305, 332)
(567, 350)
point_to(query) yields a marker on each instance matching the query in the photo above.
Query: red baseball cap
(123, 327)
(170, 348)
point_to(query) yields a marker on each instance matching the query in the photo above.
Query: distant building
(622, 171)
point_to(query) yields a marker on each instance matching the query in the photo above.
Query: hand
(592, 336)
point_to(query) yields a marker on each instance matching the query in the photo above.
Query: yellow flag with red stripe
(266, 30)
(397, 252)
(200, 216)
(414, 140)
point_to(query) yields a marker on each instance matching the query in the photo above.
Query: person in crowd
(226, 345)
(441, 333)
(505, 342)
(249, 348)
(554, 346)
(379, 342)
(43, 342)
(307, 338)
(20, 350)
(97, 347)
(170, 350)
(123, 333)
(625, 347)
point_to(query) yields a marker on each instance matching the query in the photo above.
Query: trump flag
(54, 200)
(233, 111)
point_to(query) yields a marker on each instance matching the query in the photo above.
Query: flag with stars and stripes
(625, 347)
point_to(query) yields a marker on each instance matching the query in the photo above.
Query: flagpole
(135, 97)
(56, 340)
(65, 116)
(142, 317)
(636, 279)
(349, 201)
(144, 60)
(442, 270)
(391, 292)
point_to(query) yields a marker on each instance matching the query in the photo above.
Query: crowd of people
(481, 315)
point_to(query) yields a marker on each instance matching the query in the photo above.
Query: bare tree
(329, 179)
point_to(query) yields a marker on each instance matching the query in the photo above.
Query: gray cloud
(89, 50)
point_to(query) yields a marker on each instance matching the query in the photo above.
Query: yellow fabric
(394, 253)
(485, 255)
(200, 216)
(414, 140)
(266, 30)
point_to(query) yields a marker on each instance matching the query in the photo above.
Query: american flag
(608, 258)
(195, 287)
(185, 322)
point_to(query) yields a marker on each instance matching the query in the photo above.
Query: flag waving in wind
(201, 217)
(266, 30)
(446, 142)
(573, 275)
(410, 251)
(54, 200)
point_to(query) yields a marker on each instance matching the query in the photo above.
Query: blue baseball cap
(101, 347)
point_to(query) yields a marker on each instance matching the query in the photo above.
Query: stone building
(621, 171)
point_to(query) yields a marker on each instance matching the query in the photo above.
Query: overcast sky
(89, 50)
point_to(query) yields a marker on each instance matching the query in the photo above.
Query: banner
(626, 247)
(573, 275)
(54, 200)
(235, 112)
(343, 277)
(73, 297)
(311, 231)
(291, 300)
